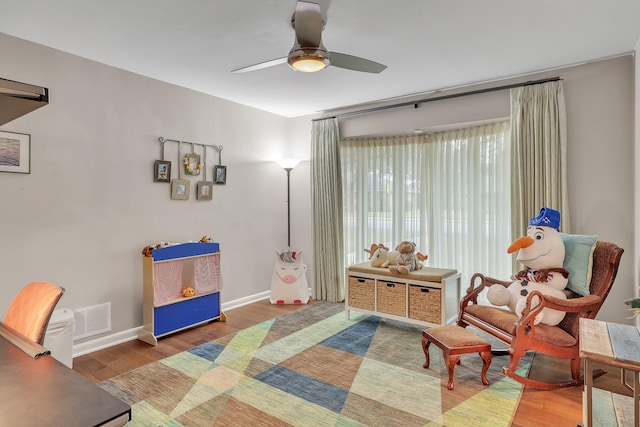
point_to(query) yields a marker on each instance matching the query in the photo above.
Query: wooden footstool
(454, 341)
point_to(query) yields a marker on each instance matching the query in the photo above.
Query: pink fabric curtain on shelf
(206, 274)
(167, 281)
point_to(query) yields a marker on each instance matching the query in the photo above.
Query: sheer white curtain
(448, 192)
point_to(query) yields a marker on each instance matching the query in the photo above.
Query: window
(448, 192)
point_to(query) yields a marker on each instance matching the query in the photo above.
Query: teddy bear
(542, 252)
(148, 250)
(407, 259)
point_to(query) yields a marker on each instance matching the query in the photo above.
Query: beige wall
(600, 148)
(89, 206)
(636, 181)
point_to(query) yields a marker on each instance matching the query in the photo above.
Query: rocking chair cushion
(578, 261)
(505, 320)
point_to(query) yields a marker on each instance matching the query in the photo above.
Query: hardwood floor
(537, 408)
(104, 364)
(562, 407)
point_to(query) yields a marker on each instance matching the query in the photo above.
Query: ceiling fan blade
(261, 65)
(307, 22)
(355, 63)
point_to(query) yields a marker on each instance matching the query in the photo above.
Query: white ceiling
(426, 44)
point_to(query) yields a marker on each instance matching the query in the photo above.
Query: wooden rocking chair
(521, 335)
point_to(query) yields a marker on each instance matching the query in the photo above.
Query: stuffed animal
(407, 260)
(289, 280)
(188, 291)
(148, 250)
(380, 256)
(542, 253)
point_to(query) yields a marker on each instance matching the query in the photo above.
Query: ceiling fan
(308, 54)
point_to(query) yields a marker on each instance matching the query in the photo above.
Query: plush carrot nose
(522, 242)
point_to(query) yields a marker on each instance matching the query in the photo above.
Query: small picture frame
(192, 165)
(161, 171)
(15, 152)
(180, 189)
(205, 190)
(219, 174)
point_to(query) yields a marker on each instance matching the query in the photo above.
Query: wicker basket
(425, 304)
(392, 298)
(361, 293)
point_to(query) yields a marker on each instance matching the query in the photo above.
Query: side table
(615, 345)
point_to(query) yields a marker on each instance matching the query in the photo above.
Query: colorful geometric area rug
(312, 367)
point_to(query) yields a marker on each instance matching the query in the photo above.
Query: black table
(44, 392)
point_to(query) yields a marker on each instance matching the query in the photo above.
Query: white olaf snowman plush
(542, 252)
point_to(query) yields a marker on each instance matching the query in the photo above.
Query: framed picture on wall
(180, 189)
(219, 174)
(15, 152)
(192, 164)
(205, 190)
(161, 171)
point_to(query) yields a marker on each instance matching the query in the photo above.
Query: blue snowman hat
(546, 218)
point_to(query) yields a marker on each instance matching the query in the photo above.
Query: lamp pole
(288, 208)
(288, 165)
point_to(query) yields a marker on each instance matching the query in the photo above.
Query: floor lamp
(289, 280)
(288, 165)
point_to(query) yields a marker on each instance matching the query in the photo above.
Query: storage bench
(427, 297)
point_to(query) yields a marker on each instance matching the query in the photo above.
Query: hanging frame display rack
(218, 148)
(219, 171)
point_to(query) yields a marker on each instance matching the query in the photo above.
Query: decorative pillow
(578, 260)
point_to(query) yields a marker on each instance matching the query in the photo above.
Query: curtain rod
(416, 103)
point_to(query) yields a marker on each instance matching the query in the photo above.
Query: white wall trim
(132, 334)
(245, 301)
(105, 342)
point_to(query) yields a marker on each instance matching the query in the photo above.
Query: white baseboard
(245, 301)
(132, 334)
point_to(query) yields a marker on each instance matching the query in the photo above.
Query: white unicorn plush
(289, 282)
(380, 256)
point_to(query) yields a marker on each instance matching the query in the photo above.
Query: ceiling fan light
(308, 64)
(307, 61)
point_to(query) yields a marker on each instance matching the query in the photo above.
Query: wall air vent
(92, 320)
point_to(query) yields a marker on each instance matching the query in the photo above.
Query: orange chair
(31, 309)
